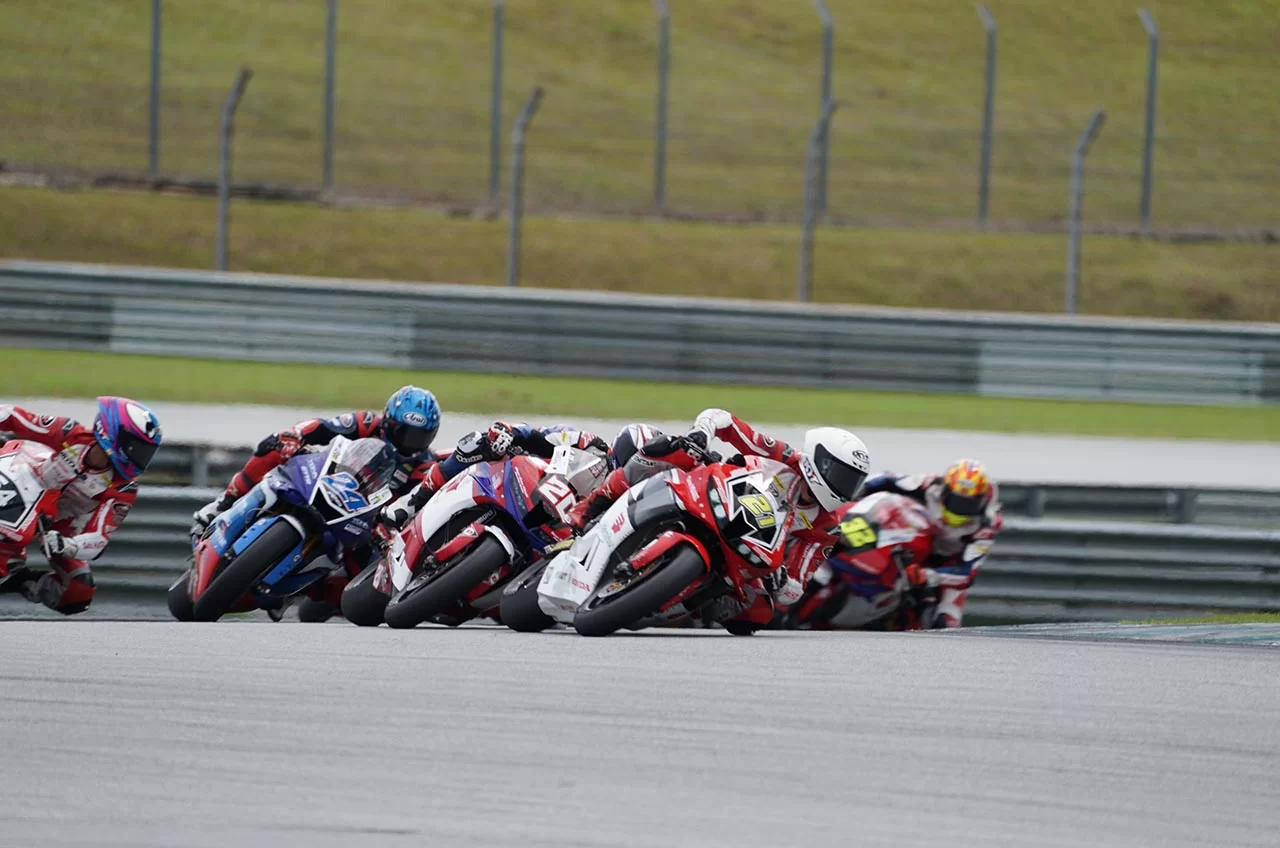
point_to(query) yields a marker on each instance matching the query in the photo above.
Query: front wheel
(179, 598)
(520, 610)
(651, 590)
(428, 595)
(362, 604)
(245, 570)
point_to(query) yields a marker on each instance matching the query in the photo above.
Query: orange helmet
(966, 491)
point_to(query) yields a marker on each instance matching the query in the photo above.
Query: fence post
(828, 47)
(804, 285)
(1148, 146)
(988, 116)
(660, 141)
(495, 104)
(517, 186)
(153, 158)
(1077, 199)
(224, 166)
(330, 60)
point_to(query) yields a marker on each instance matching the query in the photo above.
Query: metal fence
(400, 325)
(1040, 569)
(201, 466)
(411, 100)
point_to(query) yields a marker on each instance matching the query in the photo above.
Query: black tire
(180, 606)
(246, 570)
(363, 605)
(519, 609)
(419, 601)
(643, 598)
(311, 611)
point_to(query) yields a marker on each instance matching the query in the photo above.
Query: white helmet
(834, 463)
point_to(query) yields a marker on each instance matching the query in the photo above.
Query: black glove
(697, 438)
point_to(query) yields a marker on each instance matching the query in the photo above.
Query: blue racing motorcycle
(286, 532)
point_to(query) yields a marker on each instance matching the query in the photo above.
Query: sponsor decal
(415, 419)
(118, 512)
(47, 421)
(616, 526)
(861, 456)
(347, 420)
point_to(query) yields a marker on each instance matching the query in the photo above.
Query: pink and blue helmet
(128, 432)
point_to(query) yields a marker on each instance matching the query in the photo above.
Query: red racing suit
(92, 505)
(958, 552)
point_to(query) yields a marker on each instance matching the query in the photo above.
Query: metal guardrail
(199, 465)
(1040, 569)
(405, 325)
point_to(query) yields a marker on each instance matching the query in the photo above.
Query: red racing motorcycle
(668, 549)
(452, 562)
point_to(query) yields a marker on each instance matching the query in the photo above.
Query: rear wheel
(520, 610)
(429, 594)
(245, 571)
(362, 604)
(180, 606)
(600, 616)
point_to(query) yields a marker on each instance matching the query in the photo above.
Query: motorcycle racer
(501, 440)
(824, 474)
(408, 424)
(964, 504)
(96, 469)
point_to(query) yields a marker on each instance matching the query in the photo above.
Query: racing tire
(519, 609)
(416, 603)
(644, 597)
(245, 570)
(362, 604)
(180, 605)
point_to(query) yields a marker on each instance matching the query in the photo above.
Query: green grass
(77, 374)
(1226, 618)
(897, 268)
(413, 82)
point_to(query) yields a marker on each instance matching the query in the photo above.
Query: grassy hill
(414, 78)
(960, 270)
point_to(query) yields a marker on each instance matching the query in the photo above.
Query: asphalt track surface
(1022, 458)
(163, 734)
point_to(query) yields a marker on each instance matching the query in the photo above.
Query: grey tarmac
(244, 733)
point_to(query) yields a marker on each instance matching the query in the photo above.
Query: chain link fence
(420, 131)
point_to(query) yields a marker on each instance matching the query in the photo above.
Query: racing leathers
(958, 552)
(92, 504)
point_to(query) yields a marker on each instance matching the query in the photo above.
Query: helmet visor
(138, 451)
(407, 440)
(844, 479)
(966, 506)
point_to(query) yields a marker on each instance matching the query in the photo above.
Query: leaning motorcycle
(452, 562)
(667, 550)
(863, 584)
(26, 502)
(287, 531)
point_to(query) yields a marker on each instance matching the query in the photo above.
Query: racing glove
(500, 438)
(397, 513)
(922, 583)
(203, 517)
(285, 443)
(57, 545)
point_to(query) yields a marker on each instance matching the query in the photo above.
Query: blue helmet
(128, 432)
(410, 421)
